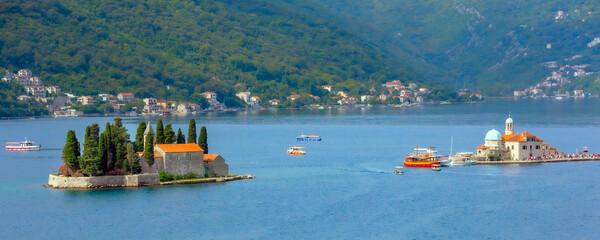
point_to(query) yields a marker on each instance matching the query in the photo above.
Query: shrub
(164, 177)
(65, 170)
(116, 172)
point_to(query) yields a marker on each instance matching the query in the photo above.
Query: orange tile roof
(184, 147)
(482, 147)
(520, 137)
(210, 157)
(157, 154)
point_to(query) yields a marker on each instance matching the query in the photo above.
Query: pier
(533, 161)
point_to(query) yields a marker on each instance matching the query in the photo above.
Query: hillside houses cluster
(393, 90)
(152, 106)
(33, 85)
(558, 78)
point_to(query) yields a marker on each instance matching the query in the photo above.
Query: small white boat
(445, 162)
(22, 146)
(436, 167)
(399, 170)
(296, 150)
(462, 159)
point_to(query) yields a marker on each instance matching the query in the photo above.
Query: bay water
(343, 188)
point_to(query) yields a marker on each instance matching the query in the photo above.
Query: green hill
(176, 49)
(496, 46)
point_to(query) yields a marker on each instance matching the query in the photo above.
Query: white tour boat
(22, 146)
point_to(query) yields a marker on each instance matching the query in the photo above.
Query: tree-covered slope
(493, 45)
(175, 49)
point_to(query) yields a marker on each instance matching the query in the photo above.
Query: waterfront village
(110, 160)
(65, 104)
(561, 76)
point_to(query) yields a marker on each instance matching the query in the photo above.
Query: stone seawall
(119, 181)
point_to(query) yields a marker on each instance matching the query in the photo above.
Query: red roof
(184, 147)
(210, 157)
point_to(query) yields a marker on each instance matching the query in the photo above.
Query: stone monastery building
(183, 158)
(511, 146)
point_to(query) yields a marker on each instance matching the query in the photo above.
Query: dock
(553, 160)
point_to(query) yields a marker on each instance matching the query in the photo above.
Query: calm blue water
(342, 189)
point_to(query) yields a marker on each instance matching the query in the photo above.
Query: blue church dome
(493, 135)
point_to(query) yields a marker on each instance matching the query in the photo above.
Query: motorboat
(295, 150)
(399, 170)
(462, 159)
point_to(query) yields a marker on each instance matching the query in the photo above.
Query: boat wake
(367, 170)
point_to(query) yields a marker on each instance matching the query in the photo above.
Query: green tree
(203, 139)
(133, 160)
(170, 134)
(180, 136)
(192, 131)
(110, 148)
(160, 132)
(71, 151)
(103, 153)
(90, 161)
(149, 150)
(119, 139)
(139, 137)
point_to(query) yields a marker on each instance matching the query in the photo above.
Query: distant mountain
(176, 49)
(497, 46)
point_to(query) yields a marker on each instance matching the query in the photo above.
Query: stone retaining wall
(119, 181)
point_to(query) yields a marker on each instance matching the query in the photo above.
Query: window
(513, 147)
(524, 147)
(537, 146)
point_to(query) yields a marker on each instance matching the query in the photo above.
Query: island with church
(522, 148)
(162, 157)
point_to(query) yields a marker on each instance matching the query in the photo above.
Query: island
(111, 160)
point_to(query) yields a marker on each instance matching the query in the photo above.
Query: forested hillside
(176, 49)
(496, 46)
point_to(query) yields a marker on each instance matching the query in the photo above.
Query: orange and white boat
(422, 157)
(296, 150)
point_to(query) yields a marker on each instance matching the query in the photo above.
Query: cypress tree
(71, 152)
(90, 162)
(120, 140)
(203, 139)
(149, 150)
(160, 132)
(180, 136)
(192, 132)
(169, 134)
(110, 148)
(139, 137)
(102, 153)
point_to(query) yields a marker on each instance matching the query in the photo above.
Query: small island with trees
(111, 160)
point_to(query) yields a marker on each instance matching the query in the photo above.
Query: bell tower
(510, 127)
(147, 131)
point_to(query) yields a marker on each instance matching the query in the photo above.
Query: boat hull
(462, 163)
(421, 164)
(36, 148)
(308, 139)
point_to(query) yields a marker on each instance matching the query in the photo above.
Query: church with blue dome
(511, 146)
